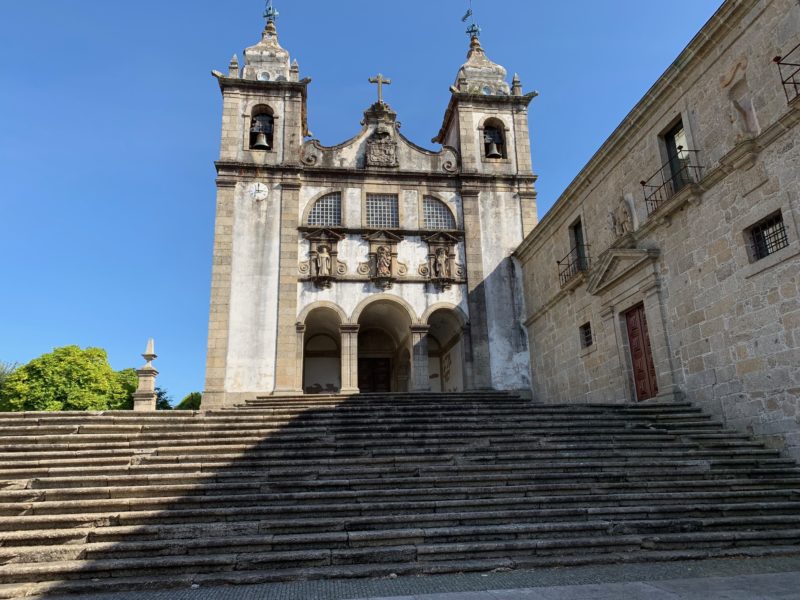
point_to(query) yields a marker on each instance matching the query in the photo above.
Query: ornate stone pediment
(323, 266)
(615, 264)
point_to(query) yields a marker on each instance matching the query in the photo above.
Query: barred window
(586, 335)
(327, 211)
(382, 211)
(768, 236)
(437, 215)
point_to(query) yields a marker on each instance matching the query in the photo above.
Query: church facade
(668, 269)
(374, 265)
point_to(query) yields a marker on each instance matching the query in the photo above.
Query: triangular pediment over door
(615, 264)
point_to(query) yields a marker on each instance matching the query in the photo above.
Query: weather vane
(473, 31)
(271, 14)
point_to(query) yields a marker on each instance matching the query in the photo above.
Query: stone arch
(412, 314)
(261, 123)
(320, 339)
(301, 318)
(447, 341)
(458, 312)
(494, 130)
(310, 204)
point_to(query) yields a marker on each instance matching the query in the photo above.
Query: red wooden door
(644, 371)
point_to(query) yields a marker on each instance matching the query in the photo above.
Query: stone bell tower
(252, 309)
(487, 122)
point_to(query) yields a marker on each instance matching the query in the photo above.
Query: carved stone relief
(441, 269)
(323, 266)
(382, 148)
(382, 266)
(621, 218)
(742, 113)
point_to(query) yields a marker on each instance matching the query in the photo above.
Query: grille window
(586, 335)
(382, 211)
(768, 236)
(437, 215)
(327, 211)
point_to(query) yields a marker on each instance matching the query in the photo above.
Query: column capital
(349, 327)
(420, 328)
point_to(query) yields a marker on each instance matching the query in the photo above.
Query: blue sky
(109, 126)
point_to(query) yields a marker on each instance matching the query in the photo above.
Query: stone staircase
(372, 485)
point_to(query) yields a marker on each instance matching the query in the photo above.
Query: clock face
(263, 76)
(259, 191)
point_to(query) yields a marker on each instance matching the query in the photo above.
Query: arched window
(327, 211)
(262, 126)
(494, 139)
(437, 214)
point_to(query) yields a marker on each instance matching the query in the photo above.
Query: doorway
(384, 339)
(644, 371)
(374, 375)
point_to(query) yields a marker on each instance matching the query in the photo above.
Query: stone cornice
(226, 83)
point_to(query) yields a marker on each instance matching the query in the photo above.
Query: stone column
(420, 378)
(349, 352)
(144, 399)
(301, 337)
(286, 347)
(478, 359)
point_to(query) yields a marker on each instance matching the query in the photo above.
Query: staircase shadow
(365, 487)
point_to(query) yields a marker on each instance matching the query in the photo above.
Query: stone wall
(724, 327)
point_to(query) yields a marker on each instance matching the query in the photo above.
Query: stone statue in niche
(323, 266)
(383, 268)
(323, 261)
(742, 113)
(620, 220)
(383, 262)
(441, 264)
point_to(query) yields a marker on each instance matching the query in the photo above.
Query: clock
(259, 191)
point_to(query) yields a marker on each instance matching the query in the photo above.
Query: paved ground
(751, 579)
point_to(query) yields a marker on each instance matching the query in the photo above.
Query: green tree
(68, 378)
(163, 399)
(6, 369)
(190, 402)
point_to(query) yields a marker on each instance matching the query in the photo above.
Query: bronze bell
(492, 151)
(261, 142)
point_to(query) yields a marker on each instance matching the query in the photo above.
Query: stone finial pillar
(420, 378)
(349, 352)
(145, 396)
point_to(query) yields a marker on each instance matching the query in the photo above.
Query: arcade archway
(322, 344)
(446, 350)
(384, 347)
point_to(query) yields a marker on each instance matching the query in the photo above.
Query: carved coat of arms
(381, 149)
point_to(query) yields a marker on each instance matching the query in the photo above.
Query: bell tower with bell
(486, 121)
(252, 317)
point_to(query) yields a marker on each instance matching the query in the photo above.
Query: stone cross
(381, 81)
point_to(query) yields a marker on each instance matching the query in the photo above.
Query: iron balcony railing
(789, 69)
(674, 175)
(577, 261)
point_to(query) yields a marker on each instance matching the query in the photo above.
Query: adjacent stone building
(669, 267)
(373, 265)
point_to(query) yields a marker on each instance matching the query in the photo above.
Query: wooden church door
(644, 371)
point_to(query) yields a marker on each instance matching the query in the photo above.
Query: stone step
(420, 553)
(310, 503)
(320, 531)
(290, 476)
(390, 500)
(429, 515)
(359, 467)
(107, 582)
(430, 483)
(218, 540)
